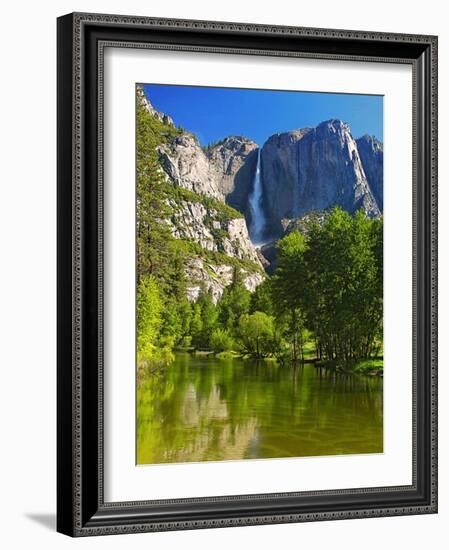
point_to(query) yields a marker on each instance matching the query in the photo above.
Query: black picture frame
(81, 509)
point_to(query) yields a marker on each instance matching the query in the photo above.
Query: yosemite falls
(270, 186)
(257, 225)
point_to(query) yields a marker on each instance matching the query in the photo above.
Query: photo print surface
(259, 299)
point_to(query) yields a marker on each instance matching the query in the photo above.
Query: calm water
(224, 409)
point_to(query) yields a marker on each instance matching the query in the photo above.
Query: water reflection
(223, 409)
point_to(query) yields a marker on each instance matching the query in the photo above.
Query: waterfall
(255, 205)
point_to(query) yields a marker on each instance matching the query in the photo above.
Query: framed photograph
(247, 283)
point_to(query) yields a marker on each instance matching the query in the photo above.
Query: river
(205, 408)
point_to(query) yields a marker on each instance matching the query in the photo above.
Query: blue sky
(214, 113)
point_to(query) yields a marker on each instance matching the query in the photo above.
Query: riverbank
(367, 367)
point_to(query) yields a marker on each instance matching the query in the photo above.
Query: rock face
(371, 153)
(205, 276)
(234, 160)
(204, 226)
(215, 235)
(183, 160)
(225, 171)
(313, 169)
(187, 166)
(238, 244)
(302, 224)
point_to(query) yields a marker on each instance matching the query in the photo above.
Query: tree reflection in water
(203, 409)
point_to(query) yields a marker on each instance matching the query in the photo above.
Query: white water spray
(255, 204)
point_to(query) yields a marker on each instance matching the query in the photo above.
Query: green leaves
(149, 320)
(234, 303)
(221, 340)
(331, 281)
(152, 351)
(257, 334)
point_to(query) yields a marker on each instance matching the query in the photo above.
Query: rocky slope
(371, 153)
(215, 234)
(222, 244)
(234, 160)
(214, 277)
(206, 226)
(313, 169)
(186, 165)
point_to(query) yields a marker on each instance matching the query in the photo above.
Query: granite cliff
(198, 182)
(186, 165)
(301, 171)
(371, 153)
(313, 169)
(234, 160)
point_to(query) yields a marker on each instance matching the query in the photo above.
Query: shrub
(221, 340)
(257, 335)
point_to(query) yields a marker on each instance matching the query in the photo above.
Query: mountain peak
(333, 126)
(242, 139)
(317, 169)
(282, 139)
(333, 122)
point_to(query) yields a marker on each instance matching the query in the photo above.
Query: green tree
(152, 235)
(209, 318)
(196, 325)
(344, 285)
(176, 313)
(150, 352)
(256, 334)
(234, 303)
(329, 281)
(288, 287)
(185, 309)
(261, 298)
(159, 261)
(221, 340)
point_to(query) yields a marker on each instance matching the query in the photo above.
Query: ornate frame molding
(81, 41)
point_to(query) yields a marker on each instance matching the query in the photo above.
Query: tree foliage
(221, 340)
(257, 334)
(151, 350)
(331, 282)
(288, 288)
(152, 236)
(234, 303)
